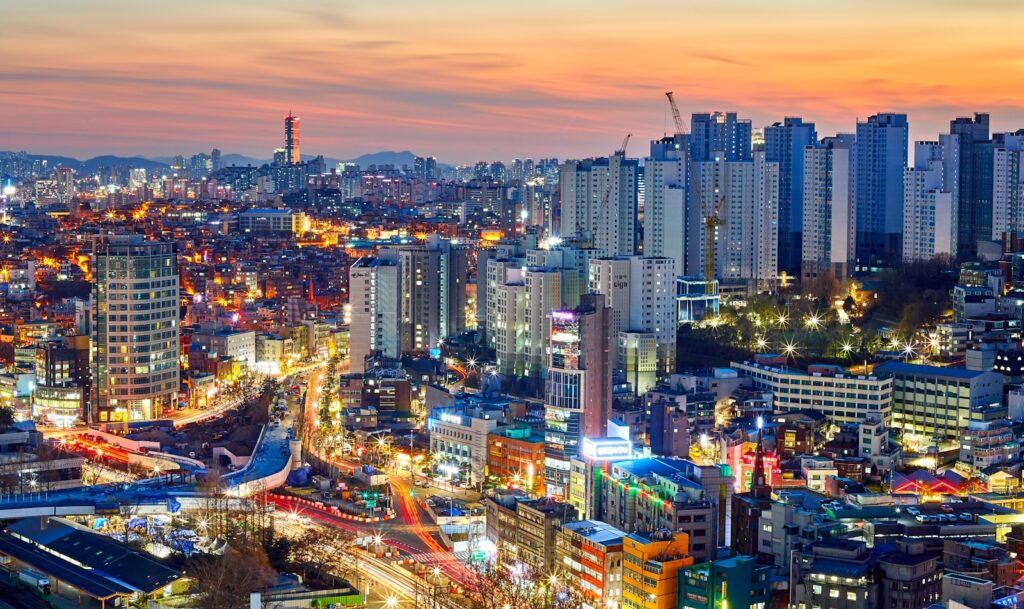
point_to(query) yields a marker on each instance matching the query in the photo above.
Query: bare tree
(225, 582)
(501, 585)
(324, 553)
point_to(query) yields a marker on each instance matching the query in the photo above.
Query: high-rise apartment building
(746, 242)
(425, 167)
(829, 222)
(291, 140)
(929, 201)
(665, 192)
(375, 296)
(1007, 184)
(720, 135)
(880, 159)
(785, 143)
(599, 203)
(434, 293)
(641, 292)
(543, 295)
(974, 183)
(135, 331)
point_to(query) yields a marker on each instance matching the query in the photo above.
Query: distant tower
(291, 139)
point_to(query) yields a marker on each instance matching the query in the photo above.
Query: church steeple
(759, 487)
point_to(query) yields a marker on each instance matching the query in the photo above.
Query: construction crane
(711, 218)
(620, 152)
(676, 117)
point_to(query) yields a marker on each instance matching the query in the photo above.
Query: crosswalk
(430, 558)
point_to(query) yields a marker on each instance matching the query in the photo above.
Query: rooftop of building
(904, 368)
(597, 532)
(100, 565)
(268, 210)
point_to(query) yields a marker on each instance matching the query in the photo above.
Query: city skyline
(490, 83)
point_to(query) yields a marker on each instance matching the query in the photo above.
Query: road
(380, 580)
(412, 532)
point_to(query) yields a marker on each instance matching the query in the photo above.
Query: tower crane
(710, 214)
(620, 152)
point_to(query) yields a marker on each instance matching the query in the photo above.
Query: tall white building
(135, 331)
(829, 222)
(1007, 184)
(665, 200)
(375, 296)
(746, 242)
(599, 203)
(509, 332)
(543, 295)
(929, 200)
(641, 292)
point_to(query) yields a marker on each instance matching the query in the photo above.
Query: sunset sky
(485, 80)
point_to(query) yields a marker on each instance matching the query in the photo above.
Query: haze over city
(488, 80)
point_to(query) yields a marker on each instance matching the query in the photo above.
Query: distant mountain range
(91, 165)
(162, 163)
(375, 158)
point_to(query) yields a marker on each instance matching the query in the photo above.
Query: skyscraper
(784, 143)
(930, 192)
(746, 242)
(974, 183)
(599, 203)
(1008, 184)
(828, 218)
(880, 157)
(578, 394)
(665, 200)
(433, 291)
(720, 135)
(291, 139)
(641, 292)
(375, 296)
(135, 332)
(424, 167)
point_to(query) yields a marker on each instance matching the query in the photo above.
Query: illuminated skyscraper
(291, 139)
(135, 329)
(578, 394)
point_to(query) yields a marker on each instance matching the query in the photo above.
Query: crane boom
(625, 142)
(710, 214)
(620, 152)
(676, 117)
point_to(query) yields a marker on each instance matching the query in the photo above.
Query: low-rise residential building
(738, 582)
(650, 569)
(816, 471)
(835, 573)
(590, 553)
(987, 443)
(525, 530)
(909, 577)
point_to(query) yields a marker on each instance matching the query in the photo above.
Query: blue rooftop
(902, 368)
(596, 531)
